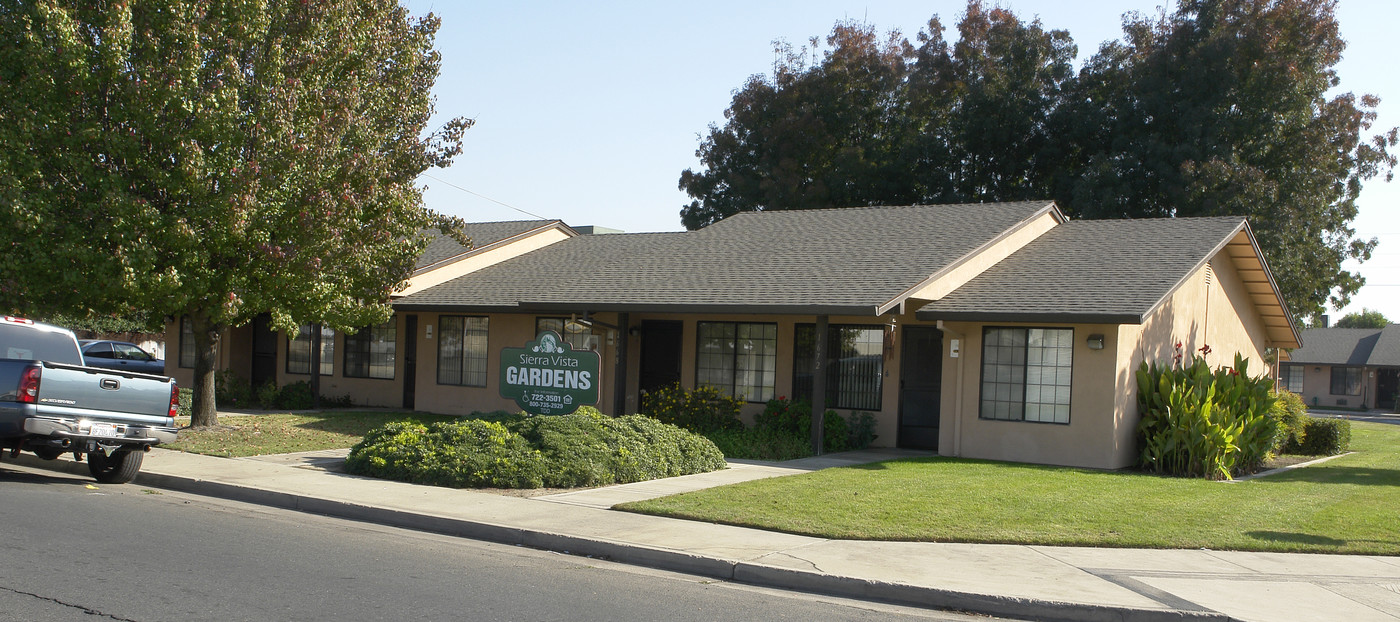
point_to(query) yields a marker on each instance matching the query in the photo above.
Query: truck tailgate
(86, 392)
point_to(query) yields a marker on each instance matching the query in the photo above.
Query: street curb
(738, 571)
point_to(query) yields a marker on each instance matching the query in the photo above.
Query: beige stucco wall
(1087, 440)
(1317, 388)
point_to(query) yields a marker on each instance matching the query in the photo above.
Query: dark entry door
(264, 352)
(1387, 389)
(661, 355)
(410, 359)
(920, 387)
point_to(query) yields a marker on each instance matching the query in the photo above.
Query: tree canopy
(215, 160)
(1219, 108)
(1365, 318)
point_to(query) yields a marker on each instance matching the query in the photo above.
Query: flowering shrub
(1202, 423)
(702, 410)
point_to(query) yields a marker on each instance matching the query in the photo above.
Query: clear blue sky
(588, 112)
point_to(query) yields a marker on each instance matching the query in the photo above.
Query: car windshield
(26, 343)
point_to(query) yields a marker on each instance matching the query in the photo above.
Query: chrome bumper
(126, 434)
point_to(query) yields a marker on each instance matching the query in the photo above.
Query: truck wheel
(49, 453)
(119, 468)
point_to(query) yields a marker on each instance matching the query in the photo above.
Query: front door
(920, 387)
(1387, 389)
(410, 359)
(661, 355)
(264, 352)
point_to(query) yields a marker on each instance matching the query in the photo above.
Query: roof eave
(476, 250)
(898, 301)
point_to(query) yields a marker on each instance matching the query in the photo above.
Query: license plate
(103, 429)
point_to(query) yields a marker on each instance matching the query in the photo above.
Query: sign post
(548, 377)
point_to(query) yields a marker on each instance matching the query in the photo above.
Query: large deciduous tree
(1221, 107)
(215, 160)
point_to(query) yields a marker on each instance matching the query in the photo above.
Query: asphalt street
(79, 551)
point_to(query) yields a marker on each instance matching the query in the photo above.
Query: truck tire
(119, 468)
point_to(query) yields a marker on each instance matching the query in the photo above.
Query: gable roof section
(848, 261)
(1112, 271)
(1387, 350)
(1336, 346)
(442, 249)
(1374, 347)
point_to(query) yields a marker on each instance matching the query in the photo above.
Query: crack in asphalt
(87, 610)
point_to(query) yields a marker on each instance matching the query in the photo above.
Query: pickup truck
(52, 404)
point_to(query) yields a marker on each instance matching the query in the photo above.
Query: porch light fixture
(1095, 341)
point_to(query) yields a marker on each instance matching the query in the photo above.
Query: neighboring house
(1346, 367)
(1000, 331)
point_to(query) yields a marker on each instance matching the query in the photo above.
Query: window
(101, 350)
(738, 359)
(369, 353)
(581, 339)
(186, 342)
(1026, 374)
(1346, 381)
(855, 365)
(299, 351)
(462, 350)
(1293, 378)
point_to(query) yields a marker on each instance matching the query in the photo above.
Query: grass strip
(1345, 505)
(257, 435)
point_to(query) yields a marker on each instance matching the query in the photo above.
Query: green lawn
(256, 435)
(1350, 504)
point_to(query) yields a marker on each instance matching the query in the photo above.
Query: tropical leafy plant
(1199, 422)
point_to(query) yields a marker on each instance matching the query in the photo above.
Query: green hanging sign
(547, 377)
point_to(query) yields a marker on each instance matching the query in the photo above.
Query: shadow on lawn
(361, 423)
(1296, 538)
(1337, 475)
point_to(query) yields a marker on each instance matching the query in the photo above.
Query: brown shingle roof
(848, 260)
(1112, 271)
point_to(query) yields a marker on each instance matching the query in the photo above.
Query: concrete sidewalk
(1031, 582)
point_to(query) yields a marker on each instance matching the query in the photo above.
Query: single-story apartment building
(1346, 368)
(1001, 331)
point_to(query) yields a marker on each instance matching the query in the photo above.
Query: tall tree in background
(981, 107)
(1221, 109)
(215, 160)
(1218, 108)
(816, 134)
(1365, 318)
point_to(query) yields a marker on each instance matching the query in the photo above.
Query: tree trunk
(206, 344)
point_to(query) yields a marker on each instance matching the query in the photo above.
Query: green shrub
(1326, 437)
(795, 418)
(1291, 414)
(266, 396)
(1200, 423)
(701, 410)
(582, 449)
(186, 401)
(760, 444)
(295, 396)
(231, 390)
(862, 429)
(460, 454)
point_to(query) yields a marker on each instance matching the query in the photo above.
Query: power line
(478, 194)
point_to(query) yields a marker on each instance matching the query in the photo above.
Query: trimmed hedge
(1325, 437)
(582, 449)
(1292, 417)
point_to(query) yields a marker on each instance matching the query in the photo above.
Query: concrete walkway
(1031, 582)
